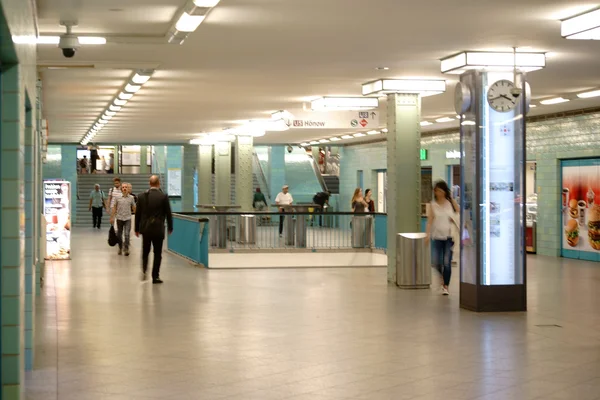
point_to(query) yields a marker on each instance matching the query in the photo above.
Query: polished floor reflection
(304, 334)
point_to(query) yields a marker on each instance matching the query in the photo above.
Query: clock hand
(507, 98)
(495, 98)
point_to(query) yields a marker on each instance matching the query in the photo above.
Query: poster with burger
(580, 209)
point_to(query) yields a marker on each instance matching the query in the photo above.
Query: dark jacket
(152, 209)
(321, 198)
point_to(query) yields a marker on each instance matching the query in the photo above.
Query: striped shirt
(115, 193)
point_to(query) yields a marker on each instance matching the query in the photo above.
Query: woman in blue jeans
(442, 223)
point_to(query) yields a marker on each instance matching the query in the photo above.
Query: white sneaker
(445, 292)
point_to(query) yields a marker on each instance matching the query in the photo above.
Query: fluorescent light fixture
(105, 118)
(140, 79)
(304, 144)
(584, 26)
(359, 135)
(87, 40)
(556, 100)
(314, 142)
(384, 130)
(206, 3)
(119, 102)
(426, 123)
(425, 87)
(373, 133)
(110, 113)
(532, 106)
(114, 108)
(494, 61)
(335, 139)
(102, 122)
(344, 103)
(445, 119)
(189, 23)
(468, 123)
(129, 88)
(587, 95)
(324, 141)
(48, 40)
(125, 96)
(347, 137)
(458, 117)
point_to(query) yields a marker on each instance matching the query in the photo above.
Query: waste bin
(362, 231)
(413, 261)
(301, 227)
(218, 231)
(288, 230)
(247, 229)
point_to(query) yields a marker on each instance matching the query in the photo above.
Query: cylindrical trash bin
(247, 233)
(301, 227)
(413, 261)
(214, 230)
(362, 231)
(221, 226)
(288, 230)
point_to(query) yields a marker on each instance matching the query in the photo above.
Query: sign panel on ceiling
(335, 120)
(57, 210)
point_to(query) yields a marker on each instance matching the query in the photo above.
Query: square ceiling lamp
(424, 87)
(344, 103)
(584, 26)
(190, 18)
(493, 61)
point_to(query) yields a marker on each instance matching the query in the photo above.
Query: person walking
(152, 211)
(322, 199)
(97, 203)
(284, 198)
(111, 163)
(259, 202)
(122, 211)
(442, 226)
(115, 192)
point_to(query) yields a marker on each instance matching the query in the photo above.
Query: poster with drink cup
(580, 209)
(57, 210)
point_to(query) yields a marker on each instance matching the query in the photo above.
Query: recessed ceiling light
(314, 142)
(324, 141)
(532, 106)
(382, 68)
(426, 123)
(359, 134)
(444, 119)
(335, 139)
(556, 100)
(189, 23)
(587, 95)
(305, 144)
(384, 130)
(206, 3)
(373, 132)
(347, 137)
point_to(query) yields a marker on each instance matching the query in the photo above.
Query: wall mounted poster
(174, 182)
(580, 209)
(57, 210)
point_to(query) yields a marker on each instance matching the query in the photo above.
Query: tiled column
(29, 240)
(190, 164)
(13, 233)
(403, 171)
(143, 159)
(205, 157)
(243, 172)
(223, 173)
(278, 178)
(68, 166)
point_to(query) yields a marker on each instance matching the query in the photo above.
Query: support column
(143, 159)
(243, 172)
(277, 172)
(190, 165)
(403, 171)
(205, 182)
(223, 173)
(29, 240)
(12, 220)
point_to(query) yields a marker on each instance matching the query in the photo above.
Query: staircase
(333, 183)
(85, 185)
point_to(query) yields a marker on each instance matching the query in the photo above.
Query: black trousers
(281, 219)
(97, 216)
(156, 242)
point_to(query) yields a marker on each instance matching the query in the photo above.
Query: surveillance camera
(290, 149)
(516, 92)
(68, 44)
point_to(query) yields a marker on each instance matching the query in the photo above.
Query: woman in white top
(442, 221)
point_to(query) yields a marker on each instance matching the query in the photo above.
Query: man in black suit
(152, 210)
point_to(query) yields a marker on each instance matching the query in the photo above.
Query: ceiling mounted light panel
(445, 119)
(584, 26)
(344, 103)
(189, 23)
(129, 88)
(206, 3)
(494, 61)
(590, 94)
(424, 87)
(556, 100)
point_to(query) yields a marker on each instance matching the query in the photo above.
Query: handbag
(113, 239)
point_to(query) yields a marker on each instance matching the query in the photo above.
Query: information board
(57, 210)
(174, 182)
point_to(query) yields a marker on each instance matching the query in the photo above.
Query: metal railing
(262, 179)
(238, 231)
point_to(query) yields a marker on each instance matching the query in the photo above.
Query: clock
(500, 96)
(462, 98)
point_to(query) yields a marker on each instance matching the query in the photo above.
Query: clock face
(462, 98)
(500, 97)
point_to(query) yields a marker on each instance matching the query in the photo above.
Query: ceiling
(252, 57)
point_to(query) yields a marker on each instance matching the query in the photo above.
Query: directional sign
(335, 120)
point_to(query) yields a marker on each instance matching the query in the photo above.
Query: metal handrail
(317, 172)
(261, 176)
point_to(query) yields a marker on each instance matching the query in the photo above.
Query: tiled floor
(304, 334)
(320, 259)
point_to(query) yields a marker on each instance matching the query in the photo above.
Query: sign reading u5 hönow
(335, 120)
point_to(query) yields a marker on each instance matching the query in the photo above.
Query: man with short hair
(115, 192)
(284, 198)
(322, 199)
(123, 209)
(97, 203)
(152, 211)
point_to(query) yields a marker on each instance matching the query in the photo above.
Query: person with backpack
(97, 203)
(322, 199)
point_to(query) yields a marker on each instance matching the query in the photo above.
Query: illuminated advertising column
(493, 255)
(57, 210)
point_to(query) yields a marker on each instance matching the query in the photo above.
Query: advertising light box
(57, 210)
